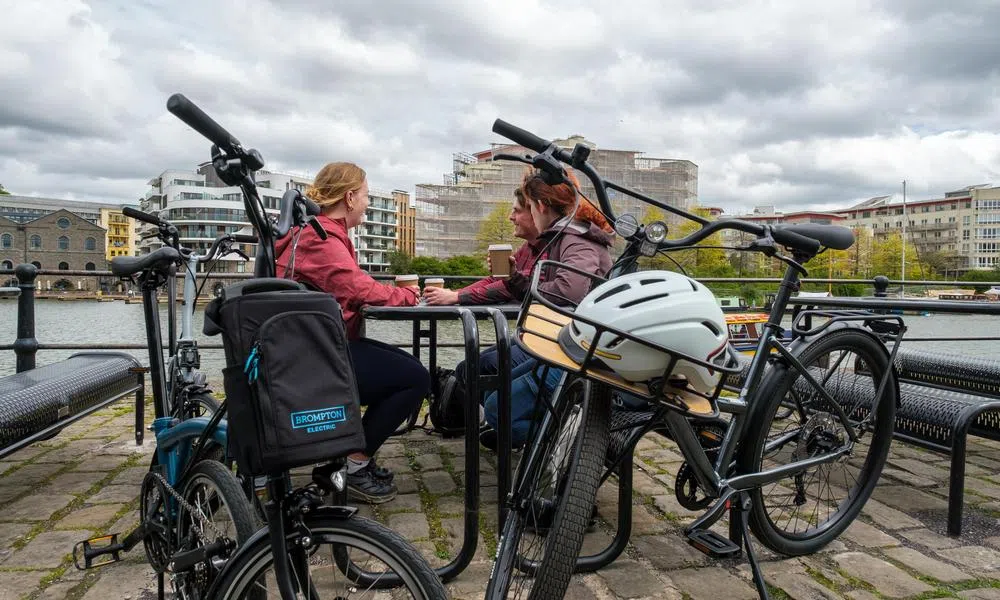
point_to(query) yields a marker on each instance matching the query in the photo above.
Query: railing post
(881, 283)
(25, 345)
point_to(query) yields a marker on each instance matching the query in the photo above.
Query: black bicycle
(806, 436)
(309, 548)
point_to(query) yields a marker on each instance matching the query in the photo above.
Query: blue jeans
(523, 393)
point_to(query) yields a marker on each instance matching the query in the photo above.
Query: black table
(475, 385)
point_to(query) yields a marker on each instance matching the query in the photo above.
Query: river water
(87, 321)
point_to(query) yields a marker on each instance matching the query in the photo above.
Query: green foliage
(400, 262)
(496, 228)
(3, 191)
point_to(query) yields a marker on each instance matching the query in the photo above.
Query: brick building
(60, 240)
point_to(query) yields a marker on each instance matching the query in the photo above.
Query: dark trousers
(392, 384)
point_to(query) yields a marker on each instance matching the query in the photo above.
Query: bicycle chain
(187, 506)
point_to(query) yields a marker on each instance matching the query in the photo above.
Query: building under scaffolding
(449, 215)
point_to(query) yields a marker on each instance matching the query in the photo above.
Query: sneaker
(364, 486)
(381, 472)
(488, 438)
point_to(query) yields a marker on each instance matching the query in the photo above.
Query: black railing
(25, 346)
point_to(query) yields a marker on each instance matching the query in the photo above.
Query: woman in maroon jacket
(391, 383)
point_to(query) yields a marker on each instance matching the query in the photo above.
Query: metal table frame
(476, 386)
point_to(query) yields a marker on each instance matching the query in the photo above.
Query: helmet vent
(618, 340)
(615, 290)
(711, 327)
(646, 299)
(649, 281)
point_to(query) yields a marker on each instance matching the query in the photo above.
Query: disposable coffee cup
(434, 282)
(407, 281)
(500, 259)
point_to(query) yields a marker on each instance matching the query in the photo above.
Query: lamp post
(902, 285)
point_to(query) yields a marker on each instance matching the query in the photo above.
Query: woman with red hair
(581, 239)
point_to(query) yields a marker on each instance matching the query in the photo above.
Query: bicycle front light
(656, 232)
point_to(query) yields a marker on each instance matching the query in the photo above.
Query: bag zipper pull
(253, 359)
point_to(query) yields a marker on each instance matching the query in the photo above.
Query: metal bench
(38, 403)
(944, 398)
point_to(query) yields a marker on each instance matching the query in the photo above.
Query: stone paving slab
(59, 491)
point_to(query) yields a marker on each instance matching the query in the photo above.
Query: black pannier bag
(291, 393)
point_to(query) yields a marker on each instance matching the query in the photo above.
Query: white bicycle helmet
(662, 307)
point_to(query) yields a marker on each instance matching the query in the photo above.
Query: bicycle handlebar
(244, 239)
(188, 111)
(138, 215)
(784, 235)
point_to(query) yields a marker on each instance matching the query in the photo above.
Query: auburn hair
(562, 197)
(334, 181)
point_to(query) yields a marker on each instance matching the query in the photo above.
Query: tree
(697, 262)
(465, 265)
(3, 191)
(400, 262)
(497, 229)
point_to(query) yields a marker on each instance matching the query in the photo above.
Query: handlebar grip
(244, 239)
(795, 240)
(520, 136)
(188, 111)
(138, 215)
(312, 209)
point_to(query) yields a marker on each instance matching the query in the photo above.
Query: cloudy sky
(796, 104)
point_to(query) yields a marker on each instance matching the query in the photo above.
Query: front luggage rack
(541, 320)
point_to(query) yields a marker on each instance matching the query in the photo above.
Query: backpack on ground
(447, 407)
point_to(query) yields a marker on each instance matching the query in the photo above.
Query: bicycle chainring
(155, 516)
(686, 488)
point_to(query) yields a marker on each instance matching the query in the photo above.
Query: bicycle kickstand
(758, 578)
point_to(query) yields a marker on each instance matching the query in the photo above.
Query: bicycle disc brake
(689, 494)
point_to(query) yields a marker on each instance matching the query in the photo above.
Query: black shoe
(381, 473)
(364, 486)
(488, 438)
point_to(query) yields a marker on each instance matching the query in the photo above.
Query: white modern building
(203, 207)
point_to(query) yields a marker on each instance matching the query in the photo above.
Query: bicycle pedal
(94, 549)
(713, 544)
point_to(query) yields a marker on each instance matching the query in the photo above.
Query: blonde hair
(334, 181)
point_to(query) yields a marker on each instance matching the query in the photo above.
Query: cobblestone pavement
(85, 482)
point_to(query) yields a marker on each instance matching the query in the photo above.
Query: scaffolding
(449, 216)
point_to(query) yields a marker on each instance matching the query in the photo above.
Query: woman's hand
(440, 296)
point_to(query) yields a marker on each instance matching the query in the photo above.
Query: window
(90, 267)
(966, 219)
(6, 265)
(6, 241)
(63, 242)
(64, 266)
(90, 244)
(63, 223)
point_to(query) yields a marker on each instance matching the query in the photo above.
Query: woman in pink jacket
(391, 383)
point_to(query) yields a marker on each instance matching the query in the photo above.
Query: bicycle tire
(390, 548)
(232, 495)
(572, 514)
(778, 383)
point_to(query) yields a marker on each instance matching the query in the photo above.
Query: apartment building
(448, 215)
(203, 207)
(963, 226)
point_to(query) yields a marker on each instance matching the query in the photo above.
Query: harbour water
(116, 322)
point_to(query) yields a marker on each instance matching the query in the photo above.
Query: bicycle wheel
(557, 498)
(212, 490)
(200, 405)
(333, 538)
(804, 512)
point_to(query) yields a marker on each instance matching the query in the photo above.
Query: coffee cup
(500, 259)
(408, 281)
(433, 282)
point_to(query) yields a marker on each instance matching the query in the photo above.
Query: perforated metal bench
(37, 404)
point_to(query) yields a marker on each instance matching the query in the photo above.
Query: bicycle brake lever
(238, 251)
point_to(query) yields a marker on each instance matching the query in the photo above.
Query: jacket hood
(584, 229)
